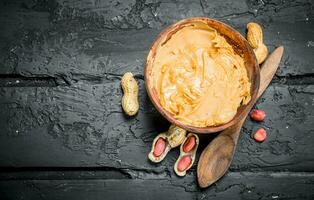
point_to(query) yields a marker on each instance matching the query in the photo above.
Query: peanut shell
(254, 34)
(130, 103)
(182, 154)
(151, 155)
(175, 136)
(261, 53)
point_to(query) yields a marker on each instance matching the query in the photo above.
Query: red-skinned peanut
(160, 147)
(189, 144)
(184, 163)
(260, 135)
(258, 115)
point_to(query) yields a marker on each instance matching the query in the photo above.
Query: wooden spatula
(217, 156)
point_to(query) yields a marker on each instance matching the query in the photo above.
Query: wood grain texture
(233, 186)
(80, 123)
(60, 67)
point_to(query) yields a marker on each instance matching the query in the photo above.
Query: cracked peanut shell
(175, 136)
(151, 155)
(192, 155)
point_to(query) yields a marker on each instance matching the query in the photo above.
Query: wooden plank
(233, 186)
(83, 125)
(62, 131)
(77, 39)
(290, 126)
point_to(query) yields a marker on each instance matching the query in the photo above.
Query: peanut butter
(199, 78)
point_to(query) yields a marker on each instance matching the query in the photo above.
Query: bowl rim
(210, 129)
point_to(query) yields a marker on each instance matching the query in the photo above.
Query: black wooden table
(62, 131)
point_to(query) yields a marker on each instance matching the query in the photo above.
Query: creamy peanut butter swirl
(199, 78)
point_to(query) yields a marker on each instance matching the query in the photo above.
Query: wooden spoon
(217, 156)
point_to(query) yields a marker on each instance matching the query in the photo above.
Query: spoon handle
(217, 156)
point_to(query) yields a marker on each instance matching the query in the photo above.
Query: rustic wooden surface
(63, 134)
